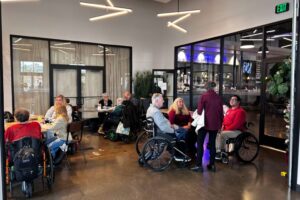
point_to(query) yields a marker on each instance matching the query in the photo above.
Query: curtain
(31, 74)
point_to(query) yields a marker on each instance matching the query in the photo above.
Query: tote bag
(122, 130)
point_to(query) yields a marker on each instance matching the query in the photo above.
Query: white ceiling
(163, 1)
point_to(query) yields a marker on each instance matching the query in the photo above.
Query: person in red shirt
(23, 128)
(233, 123)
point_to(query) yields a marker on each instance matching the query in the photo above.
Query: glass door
(82, 85)
(274, 131)
(164, 80)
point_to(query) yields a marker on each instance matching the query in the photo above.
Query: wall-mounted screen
(247, 66)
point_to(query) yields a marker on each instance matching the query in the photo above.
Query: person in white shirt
(59, 100)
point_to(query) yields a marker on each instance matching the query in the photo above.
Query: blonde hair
(183, 110)
(63, 100)
(61, 110)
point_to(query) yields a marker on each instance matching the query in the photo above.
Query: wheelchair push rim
(247, 147)
(141, 140)
(157, 154)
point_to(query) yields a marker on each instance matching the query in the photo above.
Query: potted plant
(143, 84)
(279, 86)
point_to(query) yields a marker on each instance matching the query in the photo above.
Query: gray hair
(155, 97)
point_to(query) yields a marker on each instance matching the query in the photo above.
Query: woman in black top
(105, 103)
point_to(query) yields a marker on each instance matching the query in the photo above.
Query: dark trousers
(211, 143)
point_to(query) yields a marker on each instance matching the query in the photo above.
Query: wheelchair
(158, 151)
(245, 147)
(43, 167)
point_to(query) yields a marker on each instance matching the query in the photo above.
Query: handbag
(122, 130)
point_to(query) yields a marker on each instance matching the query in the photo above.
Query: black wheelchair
(245, 147)
(158, 151)
(42, 165)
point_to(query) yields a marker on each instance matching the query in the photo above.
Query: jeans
(180, 133)
(211, 143)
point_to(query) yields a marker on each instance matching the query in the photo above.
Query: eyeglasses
(233, 99)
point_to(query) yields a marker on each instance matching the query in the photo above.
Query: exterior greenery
(280, 78)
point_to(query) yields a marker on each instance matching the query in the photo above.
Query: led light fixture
(247, 45)
(183, 14)
(110, 7)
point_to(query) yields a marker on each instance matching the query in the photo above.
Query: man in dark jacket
(211, 103)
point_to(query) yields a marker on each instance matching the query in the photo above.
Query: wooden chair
(76, 130)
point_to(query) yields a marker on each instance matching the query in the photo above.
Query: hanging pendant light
(183, 14)
(260, 50)
(247, 45)
(111, 7)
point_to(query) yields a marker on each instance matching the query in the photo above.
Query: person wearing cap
(104, 103)
(211, 103)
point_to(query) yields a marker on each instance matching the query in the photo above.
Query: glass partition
(117, 71)
(278, 48)
(71, 53)
(30, 74)
(206, 62)
(183, 73)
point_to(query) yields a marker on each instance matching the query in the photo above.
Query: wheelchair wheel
(141, 140)
(246, 147)
(157, 154)
(49, 169)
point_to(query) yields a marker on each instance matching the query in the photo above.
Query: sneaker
(225, 158)
(197, 168)
(178, 159)
(182, 159)
(218, 156)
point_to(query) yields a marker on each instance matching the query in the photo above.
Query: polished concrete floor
(112, 172)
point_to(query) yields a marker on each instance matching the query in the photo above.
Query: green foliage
(143, 84)
(280, 78)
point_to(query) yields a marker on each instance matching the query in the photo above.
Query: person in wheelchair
(163, 124)
(23, 143)
(233, 125)
(23, 128)
(113, 118)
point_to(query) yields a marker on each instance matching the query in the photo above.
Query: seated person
(130, 114)
(179, 114)
(56, 136)
(59, 100)
(162, 123)
(114, 116)
(23, 128)
(104, 104)
(128, 97)
(233, 123)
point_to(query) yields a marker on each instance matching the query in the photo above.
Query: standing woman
(211, 103)
(57, 134)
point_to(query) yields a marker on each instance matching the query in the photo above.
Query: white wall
(153, 43)
(66, 19)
